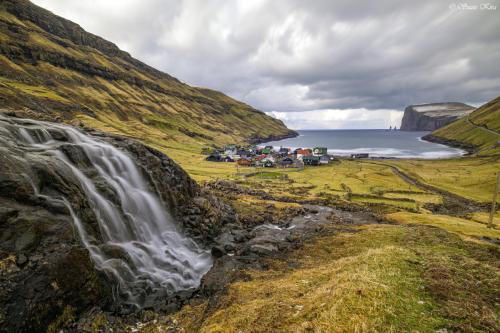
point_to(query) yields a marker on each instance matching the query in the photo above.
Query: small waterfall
(141, 248)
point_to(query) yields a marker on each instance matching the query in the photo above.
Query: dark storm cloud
(310, 55)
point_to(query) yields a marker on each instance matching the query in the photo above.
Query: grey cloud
(308, 55)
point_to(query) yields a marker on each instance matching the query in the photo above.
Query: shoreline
(468, 148)
(256, 140)
(382, 153)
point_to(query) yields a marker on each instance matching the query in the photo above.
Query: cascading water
(154, 259)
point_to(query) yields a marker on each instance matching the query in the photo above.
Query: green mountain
(479, 131)
(52, 69)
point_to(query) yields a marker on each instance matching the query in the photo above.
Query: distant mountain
(479, 131)
(52, 69)
(429, 117)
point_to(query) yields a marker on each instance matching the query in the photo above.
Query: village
(273, 157)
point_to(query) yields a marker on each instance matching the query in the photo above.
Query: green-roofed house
(266, 151)
(320, 151)
(311, 160)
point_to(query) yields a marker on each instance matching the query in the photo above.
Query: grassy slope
(380, 279)
(422, 274)
(470, 177)
(461, 130)
(56, 69)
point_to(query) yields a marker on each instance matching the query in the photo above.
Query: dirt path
(453, 204)
(482, 127)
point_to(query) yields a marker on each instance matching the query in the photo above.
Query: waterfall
(154, 259)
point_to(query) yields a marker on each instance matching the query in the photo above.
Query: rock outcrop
(46, 272)
(429, 117)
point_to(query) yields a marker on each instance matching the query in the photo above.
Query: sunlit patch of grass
(483, 217)
(417, 197)
(460, 226)
(37, 91)
(471, 177)
(397, 202)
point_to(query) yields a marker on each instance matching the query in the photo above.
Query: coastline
(468, 148)
(384, 150)
(259, 140)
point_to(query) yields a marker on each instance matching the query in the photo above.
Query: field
(472, 178)
(425, 272)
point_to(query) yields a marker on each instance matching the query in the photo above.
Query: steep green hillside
(481, 129)
(54, 70)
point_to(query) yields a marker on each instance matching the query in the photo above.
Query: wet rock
(76, 155)
(21, 260)
(57, 134)
(6, 213)
(239, 236)
(26, 241)
(218, 251)
(261, 249)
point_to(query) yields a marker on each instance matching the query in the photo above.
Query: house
(230, 152)
(324, 159)
(270, 158)
(296, 150)
(286, 162)
(311, 160)
(303, 152)
(360, 155)
(244, 152)
(244, 162)
(320, 151)
(267, 163)
(283, 152)
(214, 157)
(266, 151)
(260, 157)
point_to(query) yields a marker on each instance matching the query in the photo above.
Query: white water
(157, 259)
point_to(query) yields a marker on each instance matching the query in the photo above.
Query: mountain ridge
(52, 69)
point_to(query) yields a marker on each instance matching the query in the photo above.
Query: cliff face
(55, 70)
(429, 117)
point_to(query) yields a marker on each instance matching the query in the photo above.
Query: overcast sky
(315, 63)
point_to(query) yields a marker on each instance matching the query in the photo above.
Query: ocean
(377, 143)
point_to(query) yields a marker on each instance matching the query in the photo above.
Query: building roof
(304, 152)
(311, 158)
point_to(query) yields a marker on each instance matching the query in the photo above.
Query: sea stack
(429, 117)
